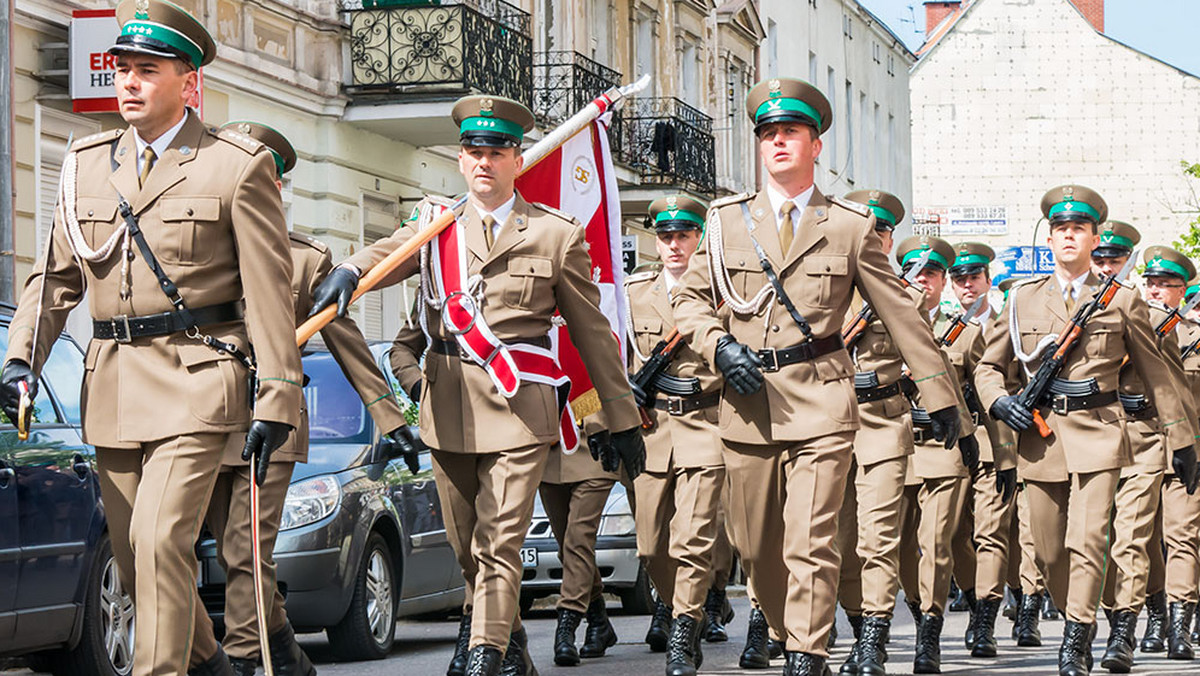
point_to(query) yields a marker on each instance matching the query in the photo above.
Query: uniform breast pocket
(189, 226)
(1032, 332)
(97, 219)
(647, 331)
(745, 272)
(1103, 341)
(826, 278)
(526, 274)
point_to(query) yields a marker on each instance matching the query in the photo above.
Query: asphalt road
(424, 648)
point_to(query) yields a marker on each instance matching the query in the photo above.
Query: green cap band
(1075, 205)
(971, 259)
(279, 163)
(1192, 290)
(1170, 266)
(882, 214)
(678, 215)
(166, 35)
(1110, 238)
(791, 105)
(493, 124)
(934, 257)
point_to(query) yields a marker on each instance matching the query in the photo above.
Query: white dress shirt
(160, 144)
(1071, 288)
(499, 215)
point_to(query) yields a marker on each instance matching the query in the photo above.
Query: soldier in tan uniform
(198, 197)
(1072, 474)
(788, 412)
(679, 494)
(489, 426)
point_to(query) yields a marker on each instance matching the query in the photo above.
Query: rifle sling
(780, 294)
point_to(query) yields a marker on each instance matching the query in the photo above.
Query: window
(379, 318)
(849, 131)
(879, 150)
(602, 21)
(846, 30)
(831, 94)
(773, 49)
(887, 144)
(644, 55)
(812, 68)
(43, 408)
(689, 77)
(64, 372)
(875, 51)
(891, 66)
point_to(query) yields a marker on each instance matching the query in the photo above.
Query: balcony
(564, 82)
(410, 59)
(667, 143)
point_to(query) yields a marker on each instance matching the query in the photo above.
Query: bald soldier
(490, 424)
(785, 263)
(151, 223)
(1072, 474)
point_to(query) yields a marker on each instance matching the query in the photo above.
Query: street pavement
(424, 648)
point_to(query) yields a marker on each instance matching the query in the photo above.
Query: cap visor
(784, 116)
(676, 226)
(1110, 252)
(488, 140)
(964, 270)
(143, 49)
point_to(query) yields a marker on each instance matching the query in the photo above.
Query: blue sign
(1023, 261)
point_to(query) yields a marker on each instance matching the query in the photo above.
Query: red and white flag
(578, 178)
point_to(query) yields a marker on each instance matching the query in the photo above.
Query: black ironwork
(565, 81)
(403, 46)
(667, 142)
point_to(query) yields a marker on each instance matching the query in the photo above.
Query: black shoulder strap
(784, 299)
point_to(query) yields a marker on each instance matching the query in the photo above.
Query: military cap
(971, 258)
(1074, 203)
(1117, 238)
(785, 99)
(1193, 286)
(491, 121)
(675, 213)
(913, 247)
(888, 208)
(161, 28)
(280, 147)
(1163, 261)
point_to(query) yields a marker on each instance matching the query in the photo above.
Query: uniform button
(775, 329)
(190, 212)
(827, 268)
(91, 212)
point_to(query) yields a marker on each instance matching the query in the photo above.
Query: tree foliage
(1188, 242)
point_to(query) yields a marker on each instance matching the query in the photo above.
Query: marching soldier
(679, 493)
(489, 422)
(785, 262)
(151, 222)
(1072, 473)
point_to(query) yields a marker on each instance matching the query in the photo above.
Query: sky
(1162, 28)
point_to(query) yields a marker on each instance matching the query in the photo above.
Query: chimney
(1092, 10)
(936, 11)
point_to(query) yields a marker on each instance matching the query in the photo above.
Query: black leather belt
(123, 328)
(1064, 403)
(773, 358)
(451, 348)
(876, 393)
(922, 435)
(682, 405)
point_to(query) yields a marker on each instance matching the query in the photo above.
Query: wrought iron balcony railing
(565, 81)
(667, 142)
(425, 47)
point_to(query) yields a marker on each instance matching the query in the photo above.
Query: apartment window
(875, 51)
(812, 3)
(888, 145)
(863, 133)
(378, 318)
(689, 72)
(772, 49)
(850, 150)
(602, 21)
(846, 30)
(891, 64)
(645, 50)
(831, 94)
(812, 68)
(880, 151)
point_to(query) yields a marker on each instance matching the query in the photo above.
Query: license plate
(529, 557)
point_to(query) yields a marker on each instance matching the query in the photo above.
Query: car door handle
(6, 475)
(81, 467)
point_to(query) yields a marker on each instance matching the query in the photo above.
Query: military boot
(1118, 655)
(914, 607)
(683, 647)
(983, 643)
(831, 640)
(1028, 633)
(243, 667)
(755, 655)
(718, 613)
(969, 634)
(517, 660)
(483, 660)
(805, 664)
(1049, 610)
(850, 666)
(1012, 602)
(928, 659)
(871, 652)
(462, 645)
(1180, 639)
(217, 665)
(565, 653)
(1196, 630)
(1074, 656)
(1154, 640)
(600, 635)
(660, 627)
(958, 598)
(287, 659)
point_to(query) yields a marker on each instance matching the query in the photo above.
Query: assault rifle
(652, 377)
(853, 329)
(960, 322)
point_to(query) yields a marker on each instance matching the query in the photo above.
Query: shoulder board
(309, 241)
(1028, 281)
(732, 199)
(442, 200)
(97, 139)
(556, 212)
(860, 209)
(639, 277)
(237, 138)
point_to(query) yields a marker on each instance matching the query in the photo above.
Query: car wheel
(638, 599)
(106, 646)
(368, 630)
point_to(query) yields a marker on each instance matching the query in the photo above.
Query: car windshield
(335, 413)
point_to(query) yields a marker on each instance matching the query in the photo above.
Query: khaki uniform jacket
(538, 264)
(931, 459)
(1145, 436)
(835, 251)
(1188, 331)
(691, 439)
(997, 441)
(212, 215)
(1089, 440)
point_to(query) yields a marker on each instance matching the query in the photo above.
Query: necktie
(1069, 298)
(147, 163)
(488, 235)
(787, 231)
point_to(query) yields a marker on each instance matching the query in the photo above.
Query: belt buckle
(118, 324)
(769, 359)
(675, 406)
(1058, 403)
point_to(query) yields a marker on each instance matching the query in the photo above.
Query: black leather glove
(15, 371)
(261, 441)
(601, 447)
(968, 448)
(338, 288)
(1183, 461)
(739, 364)
(1008, 409)
(945, 425)
(632, 448)
(405, 441)
(644, 400)
(1006, 483)
(415, 393)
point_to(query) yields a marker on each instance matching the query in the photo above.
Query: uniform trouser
(722, 558)
(879, 489)
(229, 520)
(790, 494)
(1157, 580)
(487, 502)
(910, 549)
(155, 498)
(1069, 520)
(993, 530)
(962, 544)
(1181, 534)
(1014, 545)
(1135, 513)
(941, 500)
(850, 587)
(574, 511)
(1033, 580)
(677, 532)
